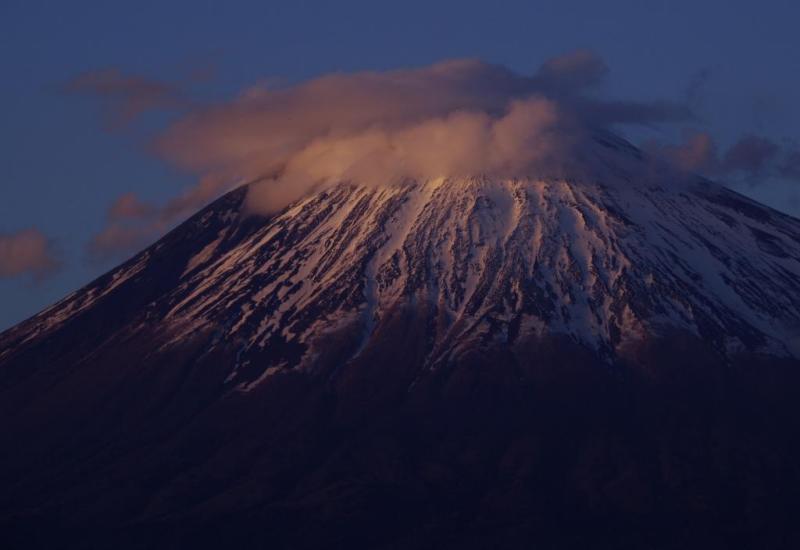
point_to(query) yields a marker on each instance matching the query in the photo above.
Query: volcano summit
(603, 360)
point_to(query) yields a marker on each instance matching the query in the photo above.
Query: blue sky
(60, 169)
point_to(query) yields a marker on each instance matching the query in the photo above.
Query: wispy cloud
(751, 155)
(696, 153)
(752, 159)
(132, 223)
(126, 96)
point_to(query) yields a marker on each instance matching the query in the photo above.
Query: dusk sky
(89, 87)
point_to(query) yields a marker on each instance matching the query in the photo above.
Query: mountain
(603, 360)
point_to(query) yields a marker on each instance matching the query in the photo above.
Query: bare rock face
(606, 361)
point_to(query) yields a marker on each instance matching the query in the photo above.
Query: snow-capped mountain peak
(608, 261)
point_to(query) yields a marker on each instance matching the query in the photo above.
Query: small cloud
(751, 159)
(571, 72)
(697, 153)
(26, 252)
(132, 223)
(751, 154)
(118, 240)
(126, 97)
(130, 207)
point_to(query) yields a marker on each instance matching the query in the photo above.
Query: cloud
(573, 71)
(752, 159)
(263, 126)
(117, 240)
(132, 223)
(129, 207)
(531, 135)
(126, 97)
(26, 252)
(697, 153)
(446, 119)
(454, 118)
(751, 154)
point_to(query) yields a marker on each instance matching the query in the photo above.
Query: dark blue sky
(60, 170)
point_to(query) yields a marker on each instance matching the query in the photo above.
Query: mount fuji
(605, 360)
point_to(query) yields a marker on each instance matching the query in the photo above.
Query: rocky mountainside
(605, 360)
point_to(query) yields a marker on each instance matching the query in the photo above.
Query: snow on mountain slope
(607, 260)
